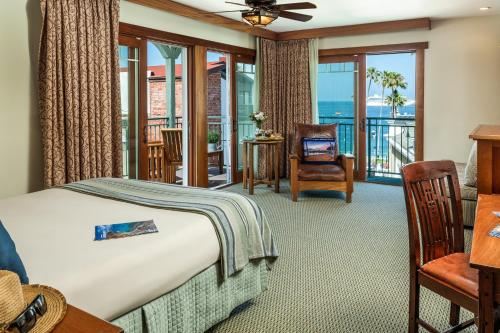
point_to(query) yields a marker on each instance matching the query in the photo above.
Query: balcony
(390, 143)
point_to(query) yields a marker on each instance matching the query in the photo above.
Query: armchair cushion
(321, 172)
(313, 131)
(318, 150)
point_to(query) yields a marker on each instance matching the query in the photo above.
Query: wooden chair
(436, 234)
(155, 162)
(335, 177)
(172, 150)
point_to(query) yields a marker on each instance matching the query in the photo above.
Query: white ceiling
(345, 12)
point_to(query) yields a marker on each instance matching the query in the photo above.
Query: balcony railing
(156, 124)
(390, 142)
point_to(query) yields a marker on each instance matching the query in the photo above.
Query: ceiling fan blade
(227, 11)
(295, 16)
(235, 3)
(297, 5)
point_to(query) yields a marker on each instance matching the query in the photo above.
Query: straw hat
(14, 298)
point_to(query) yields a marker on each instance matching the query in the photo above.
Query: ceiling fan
(261, 13)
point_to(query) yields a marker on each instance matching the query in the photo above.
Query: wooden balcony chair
(155, 162)
(172, 150)
(336, 176)
(436, 233)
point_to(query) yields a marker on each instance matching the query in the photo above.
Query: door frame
(359, 121)
(197, 76)
(138, 142)
(361, 52)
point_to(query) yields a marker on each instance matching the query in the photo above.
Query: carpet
(343, 267)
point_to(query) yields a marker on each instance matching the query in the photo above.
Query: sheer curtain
(313, 74)
(80, 90)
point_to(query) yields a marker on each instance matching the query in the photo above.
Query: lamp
(259, 17)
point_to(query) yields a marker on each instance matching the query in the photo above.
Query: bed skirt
(198, 304)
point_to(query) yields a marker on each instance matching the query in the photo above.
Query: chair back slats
(434, 210)
(155, 161)
(172, 139)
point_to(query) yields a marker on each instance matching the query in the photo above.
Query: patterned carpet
(343, 267)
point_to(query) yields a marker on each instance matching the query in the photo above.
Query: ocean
(346, 109)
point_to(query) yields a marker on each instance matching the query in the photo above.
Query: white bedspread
(54, 234)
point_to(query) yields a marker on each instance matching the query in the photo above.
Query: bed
(212, 253)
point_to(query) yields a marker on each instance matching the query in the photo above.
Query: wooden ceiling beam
(200, 15)
(358, 29)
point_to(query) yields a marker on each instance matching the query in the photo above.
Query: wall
(462, 79)
(20, 149)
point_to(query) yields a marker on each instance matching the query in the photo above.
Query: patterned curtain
(79, 78)
(285, 91)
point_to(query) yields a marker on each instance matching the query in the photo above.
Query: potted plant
(213, 140)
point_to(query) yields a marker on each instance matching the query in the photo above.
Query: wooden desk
(485, 256)
(272, 156)
(78, 321)
(488, 158)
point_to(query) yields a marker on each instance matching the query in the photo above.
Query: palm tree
(395, 100)
(373, 75)
(395, 81)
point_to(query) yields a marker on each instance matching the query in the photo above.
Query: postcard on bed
(121, 230)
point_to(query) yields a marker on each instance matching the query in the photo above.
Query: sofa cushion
(321, 172)
(470, 177)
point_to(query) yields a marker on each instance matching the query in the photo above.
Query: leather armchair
(337, 176)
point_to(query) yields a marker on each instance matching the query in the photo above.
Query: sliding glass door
(244, 85)
(339, 103)
(219, 119)
(167, 111)
(372, 98)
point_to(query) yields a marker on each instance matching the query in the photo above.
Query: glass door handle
(145, 134)
(362, 125)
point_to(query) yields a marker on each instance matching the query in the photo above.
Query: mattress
(54, 234)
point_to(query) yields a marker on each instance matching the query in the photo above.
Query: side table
(272, 160)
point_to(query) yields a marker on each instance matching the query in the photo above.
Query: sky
(339, 86)
(155, 58)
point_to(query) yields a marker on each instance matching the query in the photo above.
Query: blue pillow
(318, 150)
(9, 259)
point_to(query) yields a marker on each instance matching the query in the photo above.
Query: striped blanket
(240, 224)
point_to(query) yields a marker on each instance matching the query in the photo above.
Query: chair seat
(321, 172)
(454, 270)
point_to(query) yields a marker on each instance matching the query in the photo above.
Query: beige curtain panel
(79, 90)
(285, 95)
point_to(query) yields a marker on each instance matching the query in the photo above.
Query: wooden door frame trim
(136, 31)
(358, 29)
(375, 49)
(200, 15)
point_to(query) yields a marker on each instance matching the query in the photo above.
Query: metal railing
(390, 143)
(156, 124)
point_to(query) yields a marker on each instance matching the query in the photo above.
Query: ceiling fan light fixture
(259, 17)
